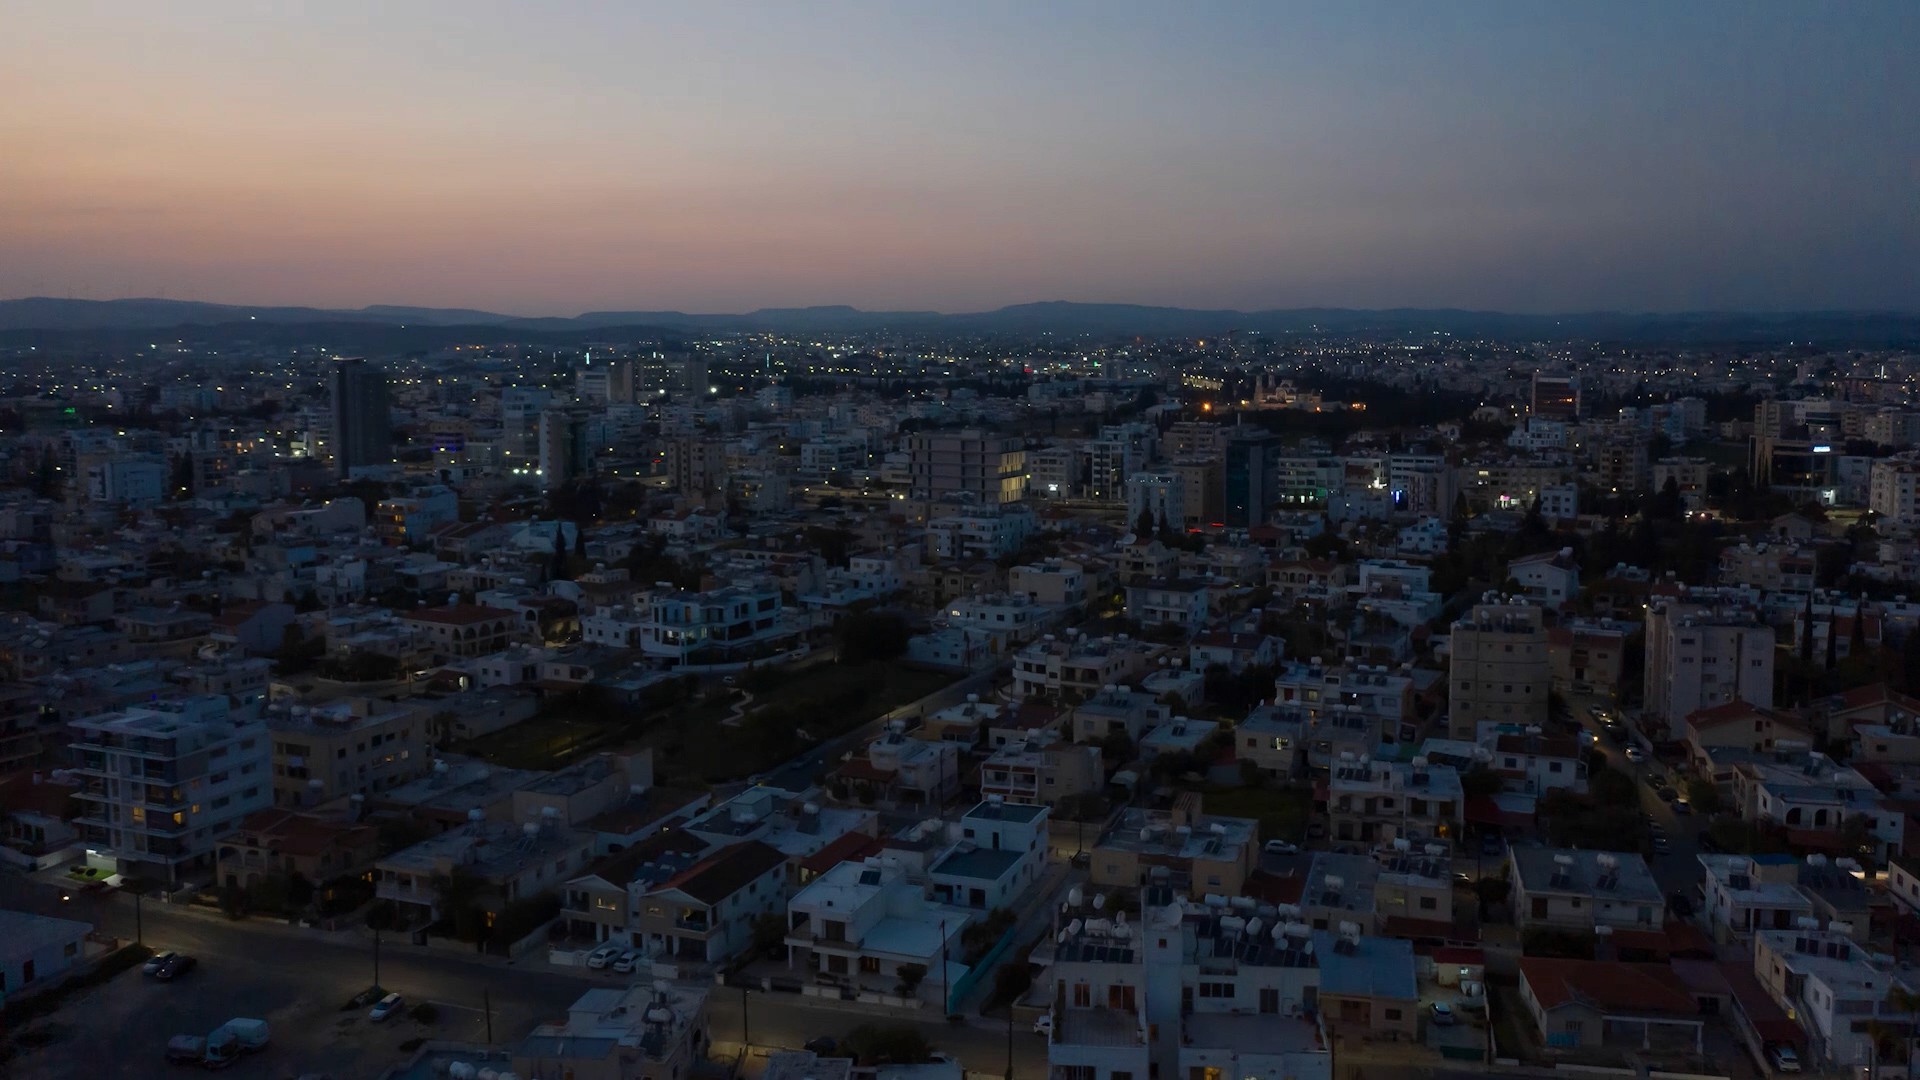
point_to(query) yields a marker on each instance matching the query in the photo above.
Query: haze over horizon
(540, 160)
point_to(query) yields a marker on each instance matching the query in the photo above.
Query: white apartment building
(1578, 890)
(162, 783)
(1498, 668)
(1837, 990)
(1077, 666)
(1054, 581)
(1699, 656)
(1893, 491)
(991, 468)
(717, 622)
(1162, 601)
(1161, 496)
(980, 533)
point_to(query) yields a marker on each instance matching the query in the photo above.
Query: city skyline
(1626, 157)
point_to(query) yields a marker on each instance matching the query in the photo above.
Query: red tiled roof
(848, 848)
(1769, 1021)
(1609, 986)
(1274, 888)
(724, 872)
(1482, 810)
(21, 792)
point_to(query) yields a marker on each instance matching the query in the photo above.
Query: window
(1393, 1014)
(1428, 903)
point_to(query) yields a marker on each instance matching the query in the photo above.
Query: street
(1679, 868)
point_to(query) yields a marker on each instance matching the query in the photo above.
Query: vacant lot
(790, 713)
(1281, 811)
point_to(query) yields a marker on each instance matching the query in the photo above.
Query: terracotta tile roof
(1609, 986)
(849, 848)
(725, 872)
(458, 615)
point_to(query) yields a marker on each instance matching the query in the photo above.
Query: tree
(1143, 525)
(769, 935)
(910, 976)
(1490, 891)
(871, 635)
(894, 1044)
(458, 897)
(1704, 795)
(558, 570)
(183, 476)
(1116, 747)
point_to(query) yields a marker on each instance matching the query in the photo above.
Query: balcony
(698, 926)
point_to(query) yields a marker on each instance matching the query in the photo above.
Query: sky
(556, 157)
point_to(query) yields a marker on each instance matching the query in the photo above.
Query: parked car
(1670, 795)
(629, 960)
(1442, 1014)
(1490, 846)
(1682, 807)
(177, 965)
(1784, 1059)
(1636, 755)
(385, 1007)
(156, 962)
(1043, 1025)
(602, 956)
(1656, 781)
(1660, 845)
(186, 1050)
(1281, 847)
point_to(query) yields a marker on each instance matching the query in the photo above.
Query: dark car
(1656, 781)
(176, 966)
(822, 1046)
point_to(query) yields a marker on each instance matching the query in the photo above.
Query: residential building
(362, 435)
(1041, 771)
(344, 747)
(1159, 498)
(705, 913)
(1169, 602)
(162, 783)
(37, 951)
(730, 622)
(1000, 855)
(1181, 848)
(1841, 994)
(505, 862)
(1377, 802)
(1571, 889)
(1700, 656)
(863, 925)
(276, 843)
(645, 1031)
(988, 467)
(1536, 764)
(1052, 581)
(1549, 579)
(461, 630)
(1499, 672)
(1588, 1003)
(1894, 492)
(1077, 667)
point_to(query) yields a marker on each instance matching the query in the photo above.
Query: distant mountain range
(101, 321)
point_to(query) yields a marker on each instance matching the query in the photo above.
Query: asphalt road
(1679, 868)
(788, 1020)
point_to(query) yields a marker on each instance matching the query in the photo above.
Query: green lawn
(1281, 811)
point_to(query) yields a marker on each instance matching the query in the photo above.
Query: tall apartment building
(1699, 656)
(1250, 478)
(1555, 396)
(697, 464)
(362, 434)
(1161, 496)
(162, 783)
(991, 468)
(609, 381)
(565, 450)
(1500, 671)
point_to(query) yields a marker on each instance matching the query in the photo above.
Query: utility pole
(946, 1001)
(376, 957)
(746, 1032)
(139, 931)
(486, 1003)
(1009, 1039)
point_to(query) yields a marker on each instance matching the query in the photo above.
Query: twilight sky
(548, 158)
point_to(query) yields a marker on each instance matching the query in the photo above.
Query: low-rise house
(1001, 854)
(1180, 848)
(37, 950)
(640, 1032)
(898, 769)
(1584, 1003)
(789, 822)
(1377, 802)
(1368, 986)
(1272, 738)
(1234, 650)
(344, 747)
(1178, 602)
(601, 904)
(1570, 889)
(705, 913)
(278, 843)
(1077, 667)
(1739, 724)
(1041, 770)
(503, 862)
(864, 925)
(1117, 710)
(1536, 764)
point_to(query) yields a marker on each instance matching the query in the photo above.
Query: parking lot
(298, 986)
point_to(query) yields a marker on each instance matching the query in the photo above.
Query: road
(1678, 870)
(787, 1020)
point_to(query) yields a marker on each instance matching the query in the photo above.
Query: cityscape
(1313, 668)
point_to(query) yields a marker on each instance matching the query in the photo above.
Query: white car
(1281, 847)
(155, 963)
(1636, 755)
(1443, 1014)
(384, 1008)
(629, 960)
(602, 956)
(1784, 1059)
(1043, 1025)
